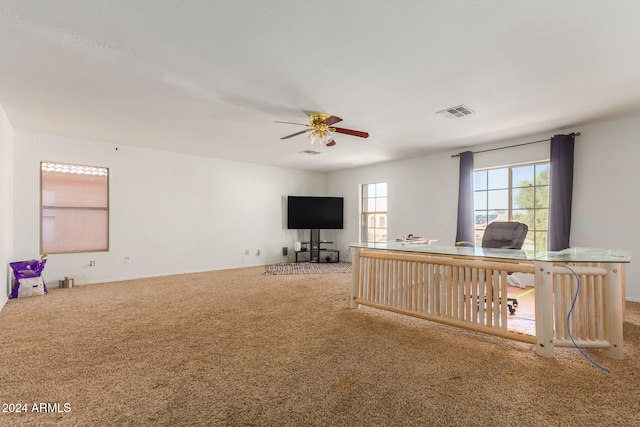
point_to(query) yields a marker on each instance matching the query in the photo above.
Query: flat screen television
(315, 212)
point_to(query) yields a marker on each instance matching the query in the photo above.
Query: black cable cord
(573, 303)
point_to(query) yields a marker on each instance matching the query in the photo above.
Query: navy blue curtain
(465, 231)
(560, 191)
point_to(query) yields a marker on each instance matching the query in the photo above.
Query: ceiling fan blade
(331, 120)
(352, 132)
(294, 134)
(291, 123)
(331, 143)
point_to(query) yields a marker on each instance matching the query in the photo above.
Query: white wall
(174, 213)
(6, 206)
(605, 203)
(423, 191)
(417, 201)
(170, 213)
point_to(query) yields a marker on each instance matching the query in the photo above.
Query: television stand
(316, 252)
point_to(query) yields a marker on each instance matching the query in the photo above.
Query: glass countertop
(579, 254)
(576, 254)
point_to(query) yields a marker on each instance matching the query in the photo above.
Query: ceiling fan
(321, 129)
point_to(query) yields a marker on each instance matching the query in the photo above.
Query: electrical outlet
(258, 252)
(92, 263)
(246, 251)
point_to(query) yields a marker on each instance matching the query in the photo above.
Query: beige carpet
(237, 347)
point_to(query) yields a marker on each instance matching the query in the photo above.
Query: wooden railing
(590, 318)
(467, 293)
(472, 293)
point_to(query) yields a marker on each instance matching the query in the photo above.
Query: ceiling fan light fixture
(320, 136)
(313, 137)
(320, 130)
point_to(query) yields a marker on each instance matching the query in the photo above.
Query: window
(74, 208)
(374, 213)
(516, 193)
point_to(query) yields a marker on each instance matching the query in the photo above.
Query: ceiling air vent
(313, 153)
(454, 112)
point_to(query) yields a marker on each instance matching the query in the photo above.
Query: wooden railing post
(544, 308)
(613, 309)
(355, 276)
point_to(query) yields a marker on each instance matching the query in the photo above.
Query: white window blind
(74, 209)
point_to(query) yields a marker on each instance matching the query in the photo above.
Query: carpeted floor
(238, 347)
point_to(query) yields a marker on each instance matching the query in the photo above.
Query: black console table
(324, 255)
(315, 250)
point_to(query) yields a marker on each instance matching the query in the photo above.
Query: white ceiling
(209, 77)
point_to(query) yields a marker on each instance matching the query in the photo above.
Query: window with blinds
(74, 208)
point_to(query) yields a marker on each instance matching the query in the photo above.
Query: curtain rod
(516, 145)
